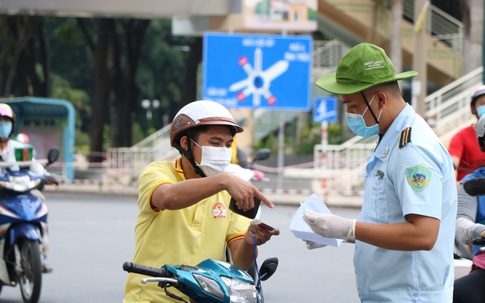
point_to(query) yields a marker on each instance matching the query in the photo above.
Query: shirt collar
(178, 168)
(393, 132)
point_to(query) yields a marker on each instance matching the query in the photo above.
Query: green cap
(364, 66)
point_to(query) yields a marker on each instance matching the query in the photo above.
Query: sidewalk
(278, 197)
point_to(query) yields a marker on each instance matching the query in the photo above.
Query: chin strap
(188, 154)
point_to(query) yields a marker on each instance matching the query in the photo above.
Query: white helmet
(481, 133)
(198, 113)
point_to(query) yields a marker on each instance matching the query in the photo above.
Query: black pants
(470, 288)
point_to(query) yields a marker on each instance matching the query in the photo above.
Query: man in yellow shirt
(184, 215)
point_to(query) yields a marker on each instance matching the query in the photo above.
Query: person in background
(22, 138)
(7, 154)
(463, 147)
(183, 206)
(8, 145)
(403, 248)
(470, 225)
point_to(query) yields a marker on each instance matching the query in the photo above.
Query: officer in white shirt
(404, 235)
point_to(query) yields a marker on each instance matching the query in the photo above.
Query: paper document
(301, 229)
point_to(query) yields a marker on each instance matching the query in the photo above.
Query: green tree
(20, 56)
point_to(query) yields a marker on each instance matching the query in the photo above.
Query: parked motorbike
(210, 281)
(23, 224)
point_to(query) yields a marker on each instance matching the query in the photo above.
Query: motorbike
(210, 281)
(23, 224)
(462, 258)
(250, 173)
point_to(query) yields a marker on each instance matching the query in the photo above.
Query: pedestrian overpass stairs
(354, 21)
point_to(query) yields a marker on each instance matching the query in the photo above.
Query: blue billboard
(258, 71)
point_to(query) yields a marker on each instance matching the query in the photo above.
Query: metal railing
(449, 107)
(126, 163)
(439, 24)
(327, 54)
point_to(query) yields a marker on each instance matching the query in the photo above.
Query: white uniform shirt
(8, 153)
(417, 178)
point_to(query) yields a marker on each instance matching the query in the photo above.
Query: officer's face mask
(5, 129)
(214, 159)
(480, 111)
(356, 123)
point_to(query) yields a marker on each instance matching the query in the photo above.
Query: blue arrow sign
(258, 71)
(325, 109)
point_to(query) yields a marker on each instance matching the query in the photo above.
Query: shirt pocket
(375, 206)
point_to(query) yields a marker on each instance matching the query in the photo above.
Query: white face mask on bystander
(214, 159)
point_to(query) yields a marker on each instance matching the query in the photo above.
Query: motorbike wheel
(30, 275)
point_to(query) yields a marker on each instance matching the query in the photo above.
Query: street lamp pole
(149, 105)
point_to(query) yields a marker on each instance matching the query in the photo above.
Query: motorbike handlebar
(145, 270)
(51, 180)
(479, 241)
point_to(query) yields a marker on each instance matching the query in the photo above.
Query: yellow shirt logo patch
(219, 210)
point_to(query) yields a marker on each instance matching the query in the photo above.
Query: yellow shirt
(185, 236)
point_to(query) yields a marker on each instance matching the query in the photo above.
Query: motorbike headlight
(209, 285)
(241, 292)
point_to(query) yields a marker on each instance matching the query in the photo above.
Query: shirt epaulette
(405, 137)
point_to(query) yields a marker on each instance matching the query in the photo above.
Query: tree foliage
(105, 67)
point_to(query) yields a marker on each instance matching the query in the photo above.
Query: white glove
(313, 245)
(331, 226)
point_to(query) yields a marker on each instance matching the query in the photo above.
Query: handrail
(163, 132)
(440, 25)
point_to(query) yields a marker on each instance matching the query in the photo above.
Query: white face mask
(214, 159)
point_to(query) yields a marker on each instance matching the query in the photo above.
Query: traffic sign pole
(324, 125)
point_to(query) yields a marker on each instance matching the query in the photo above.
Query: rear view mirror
(262, 154)
(268, 268)
(53, 155)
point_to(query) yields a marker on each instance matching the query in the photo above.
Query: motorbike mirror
(475, 187)
(268, 268)
(262, 154)
(53, 155)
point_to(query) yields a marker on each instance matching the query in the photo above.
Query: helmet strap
(190, 156)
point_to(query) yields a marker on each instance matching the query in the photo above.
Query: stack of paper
(302, 231)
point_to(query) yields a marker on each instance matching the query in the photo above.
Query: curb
(277, 196)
